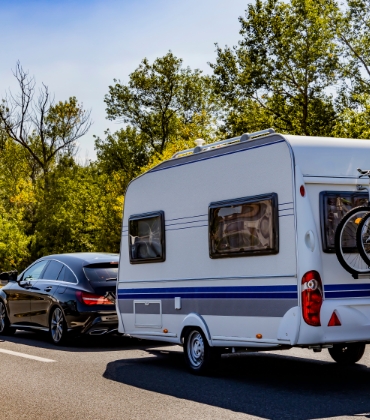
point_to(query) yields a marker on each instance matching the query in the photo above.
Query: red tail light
(91, 299)
(312, 298)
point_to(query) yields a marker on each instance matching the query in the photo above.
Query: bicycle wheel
(363, 238)
(345, 241)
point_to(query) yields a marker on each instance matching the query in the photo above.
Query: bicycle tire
(363, 238)
(346, 230)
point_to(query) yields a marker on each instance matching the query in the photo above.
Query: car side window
(34, 272)
(67, 275)
(52, 270)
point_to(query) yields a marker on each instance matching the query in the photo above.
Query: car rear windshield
(100, 275)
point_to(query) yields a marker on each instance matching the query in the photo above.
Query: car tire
(347, 354)
(200, 358)
(5, 328)
(57, 327)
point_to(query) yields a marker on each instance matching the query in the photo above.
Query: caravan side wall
(233, 299)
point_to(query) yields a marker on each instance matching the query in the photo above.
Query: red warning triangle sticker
(334, 320)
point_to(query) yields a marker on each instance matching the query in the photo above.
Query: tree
(158, 98)
(282, 68)
(81, 211)
(353, 102)
(122, 154)
(45, 129)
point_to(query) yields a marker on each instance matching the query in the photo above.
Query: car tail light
(312, 298)
(91, 299)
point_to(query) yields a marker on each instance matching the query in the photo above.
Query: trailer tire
(200, 357)
(347, 353)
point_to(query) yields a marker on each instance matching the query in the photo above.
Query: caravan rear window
(333, 206)
(146, 238)
(244, 227)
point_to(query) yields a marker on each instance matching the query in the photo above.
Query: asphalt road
(127, 379)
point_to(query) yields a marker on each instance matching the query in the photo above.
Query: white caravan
(230, 247)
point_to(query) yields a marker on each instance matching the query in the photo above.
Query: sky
(77, 47)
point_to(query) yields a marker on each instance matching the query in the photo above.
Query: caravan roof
(317, 157)
(330, 157)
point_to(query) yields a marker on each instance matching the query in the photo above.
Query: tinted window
(52, 270)
(101, 275)
(67, 275)
(35, 271)
(146, 238)
(334, 205)
(244, 226)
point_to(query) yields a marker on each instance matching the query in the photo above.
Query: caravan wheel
(347, 354)
(199, 356)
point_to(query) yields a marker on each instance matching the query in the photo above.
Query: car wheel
(347, 354)
(5, 328)
(58, 327)
(199, 356)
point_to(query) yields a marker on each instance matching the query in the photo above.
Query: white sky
(77, 47)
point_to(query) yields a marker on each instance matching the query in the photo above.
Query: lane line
(26, 356)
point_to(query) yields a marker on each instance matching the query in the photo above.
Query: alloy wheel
(57, 325)
(2, 317)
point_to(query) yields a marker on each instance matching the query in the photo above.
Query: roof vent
(199, 143)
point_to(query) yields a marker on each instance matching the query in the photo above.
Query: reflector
(334, 320)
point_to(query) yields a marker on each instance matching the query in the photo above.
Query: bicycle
(352, 236)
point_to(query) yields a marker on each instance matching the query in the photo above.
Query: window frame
(22, 278)
(143, 216)
(323, 194)
(240, 201)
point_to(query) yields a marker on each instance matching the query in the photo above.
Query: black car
(62, 294)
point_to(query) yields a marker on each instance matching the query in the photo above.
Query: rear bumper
(95, 323)
(354, 316)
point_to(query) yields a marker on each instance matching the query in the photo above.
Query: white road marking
(26, 356)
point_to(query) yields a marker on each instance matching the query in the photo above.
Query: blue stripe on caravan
(237, 292)
(205, 295)
(215, 289)
(347, 294)
(348, 287)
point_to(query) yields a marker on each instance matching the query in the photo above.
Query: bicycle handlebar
(364, 173)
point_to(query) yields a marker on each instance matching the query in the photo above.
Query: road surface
(127, 379)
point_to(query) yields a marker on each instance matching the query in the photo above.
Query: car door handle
(47, 289)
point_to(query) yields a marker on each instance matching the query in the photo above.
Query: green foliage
(282, 68)
(81, 211)
(159, 97)
(122, 154)
(301, 66)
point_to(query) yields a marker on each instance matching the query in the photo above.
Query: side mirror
(9, 275)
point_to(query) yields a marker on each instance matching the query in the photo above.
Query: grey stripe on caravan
(220, 307)
(272, 276)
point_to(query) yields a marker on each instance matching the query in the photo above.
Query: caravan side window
(244, 227)
(146, 238)
(333, 207)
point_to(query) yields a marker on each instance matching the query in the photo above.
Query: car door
(20, 294)
(44, 290)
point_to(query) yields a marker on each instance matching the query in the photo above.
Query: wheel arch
(195, 320)
(51, 309)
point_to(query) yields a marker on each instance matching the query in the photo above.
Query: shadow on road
(77, 344)
(266, 385)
